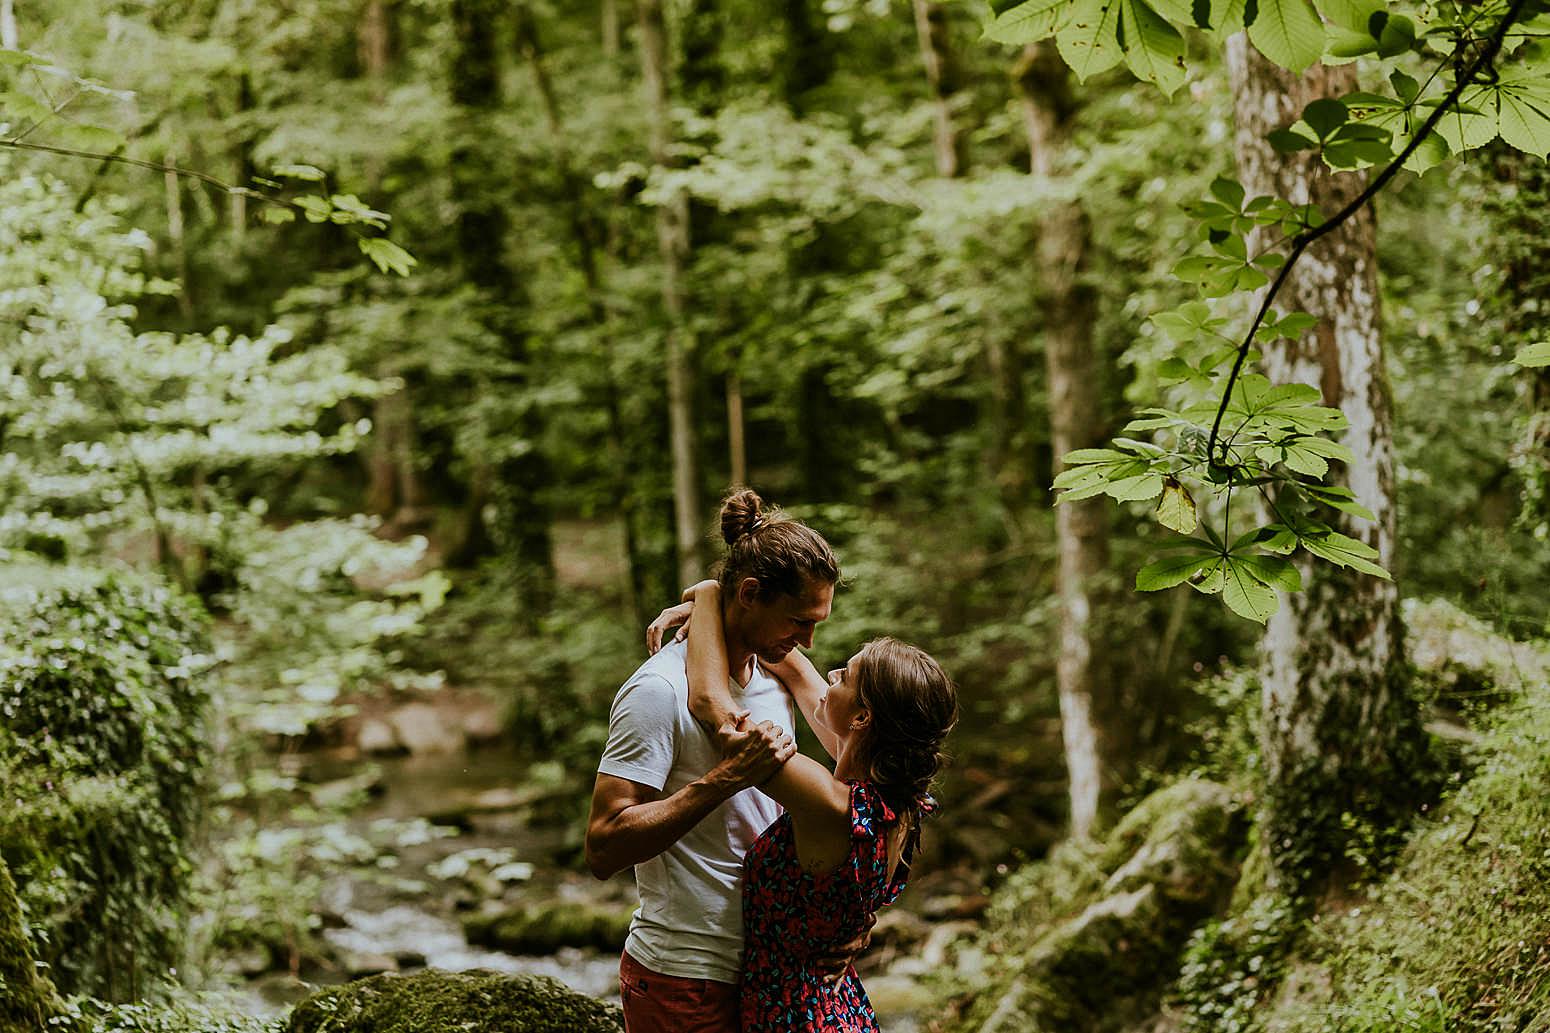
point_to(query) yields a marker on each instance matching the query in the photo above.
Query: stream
(402, 913)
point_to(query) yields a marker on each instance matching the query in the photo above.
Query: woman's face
(838, 708)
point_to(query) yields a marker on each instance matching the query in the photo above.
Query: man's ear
(748, 591)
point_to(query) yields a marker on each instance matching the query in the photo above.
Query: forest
(1178, 375)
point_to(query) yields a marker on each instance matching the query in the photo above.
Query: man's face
(777, 626)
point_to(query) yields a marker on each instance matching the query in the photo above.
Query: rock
(345, 792)
(362, 964)
(1090, 937)
(431, 1002)
(545, 928)
(410, 959)
(422, 728)
(377, 737)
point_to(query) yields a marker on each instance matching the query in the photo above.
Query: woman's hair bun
(740, 514)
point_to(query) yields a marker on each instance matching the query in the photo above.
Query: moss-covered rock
(544, 929)
(435, 1002)
(102, 758)
(1087, 940)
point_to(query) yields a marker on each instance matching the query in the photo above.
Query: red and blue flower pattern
(791, 916)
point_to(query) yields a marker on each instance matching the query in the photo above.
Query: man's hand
(837, 962)
(750, 755)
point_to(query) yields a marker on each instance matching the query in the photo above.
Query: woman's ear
(863, 719)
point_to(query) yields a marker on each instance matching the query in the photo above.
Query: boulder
(435, 1002)
(1087, 940)
(544, 929)
(423, 728)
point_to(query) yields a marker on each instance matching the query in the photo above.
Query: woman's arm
(797, 673)
(819, 803)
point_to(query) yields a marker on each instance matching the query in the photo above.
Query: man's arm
(629, 824)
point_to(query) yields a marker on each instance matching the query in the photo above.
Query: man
(676, 801)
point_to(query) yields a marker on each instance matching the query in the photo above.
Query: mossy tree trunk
(27, 999)
(1087, 713)
(1340, 736)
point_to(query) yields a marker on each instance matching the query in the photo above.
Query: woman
(816, 877)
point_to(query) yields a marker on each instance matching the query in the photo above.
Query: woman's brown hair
(913, 705)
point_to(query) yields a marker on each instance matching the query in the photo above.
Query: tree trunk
(673, 244)
(1087, 713)
(8, 37)
(609, 19)
(585, 235)
(809, 55)
(1339, 737)
(931, 28)
(28, 999)
(521, 476)
(177, 237)
(736, 444)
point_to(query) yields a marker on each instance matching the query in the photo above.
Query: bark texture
(936, 52)
(1338, 733)
(1081, 528)
(673, 244)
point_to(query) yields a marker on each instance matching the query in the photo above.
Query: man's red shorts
(654, 1003)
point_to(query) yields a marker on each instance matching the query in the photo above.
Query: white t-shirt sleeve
(642, 732)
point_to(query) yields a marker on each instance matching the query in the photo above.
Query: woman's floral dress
(791, 916)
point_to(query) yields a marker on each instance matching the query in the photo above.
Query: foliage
(407, 1004)
(1413, 951)
(104, 705)
(181, 1013)
(1230, 965)
(1277, 430)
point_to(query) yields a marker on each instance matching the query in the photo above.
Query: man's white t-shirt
(690, 922)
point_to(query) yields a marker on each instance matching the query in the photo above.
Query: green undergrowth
(436, 1002)
(1456, 936)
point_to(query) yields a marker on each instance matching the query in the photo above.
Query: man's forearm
(642, 831)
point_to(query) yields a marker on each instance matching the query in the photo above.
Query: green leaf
(89, 138)
(1288, 140)
(1027, 22)
(1523, 103)
(1351, 15)
(308, 173)
(1135, 489)
(1173, 571)
(1088, 40)
(1533, 355)
(1406, 88)
(1345, 551)
(277, 216)
(21, 107)
(1245, 594)
(1288, 32)
(1176, 510)
(1465, 129)
(1324, 116)
(1274, 571)
(19, 58)
(1154, 50)
(387, 256)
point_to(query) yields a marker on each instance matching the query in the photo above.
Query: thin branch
(1301, 242)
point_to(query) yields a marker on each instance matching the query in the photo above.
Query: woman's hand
(667, 620)
(700, 586)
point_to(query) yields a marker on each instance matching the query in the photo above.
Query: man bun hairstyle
(782, 554)
(913, 705)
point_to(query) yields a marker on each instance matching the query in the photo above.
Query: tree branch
(1301, 242)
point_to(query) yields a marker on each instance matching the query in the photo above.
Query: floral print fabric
(791, 916)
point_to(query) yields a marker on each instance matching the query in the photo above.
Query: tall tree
(586, 239)
(942, 72)
(1338, 730)
(809, 61)
(520, 475)
(673, 246)
(1087, 712)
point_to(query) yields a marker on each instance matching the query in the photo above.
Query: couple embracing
(760, 872)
